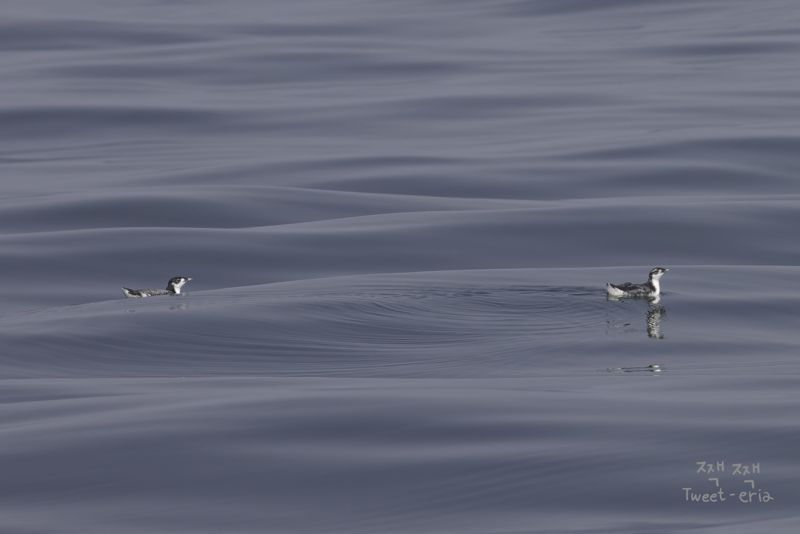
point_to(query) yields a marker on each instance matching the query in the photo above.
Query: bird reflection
(655, 313)
(173, 307)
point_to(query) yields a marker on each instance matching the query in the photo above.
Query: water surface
(399, 219)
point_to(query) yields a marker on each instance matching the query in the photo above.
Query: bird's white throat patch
(177, 286)
(656, 283)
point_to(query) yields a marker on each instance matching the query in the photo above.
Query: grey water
(399, 218)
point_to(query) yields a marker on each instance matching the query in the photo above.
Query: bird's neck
(656, 285)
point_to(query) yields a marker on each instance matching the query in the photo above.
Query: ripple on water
(452, 324)
(357, 325)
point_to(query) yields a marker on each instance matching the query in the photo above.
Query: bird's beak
(188, 279)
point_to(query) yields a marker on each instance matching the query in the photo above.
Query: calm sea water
(399, 218)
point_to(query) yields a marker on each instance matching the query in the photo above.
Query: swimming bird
(651, 288)
(173, 288)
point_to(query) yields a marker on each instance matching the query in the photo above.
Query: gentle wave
(92, 263)
(458, 324)
(509, 156)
